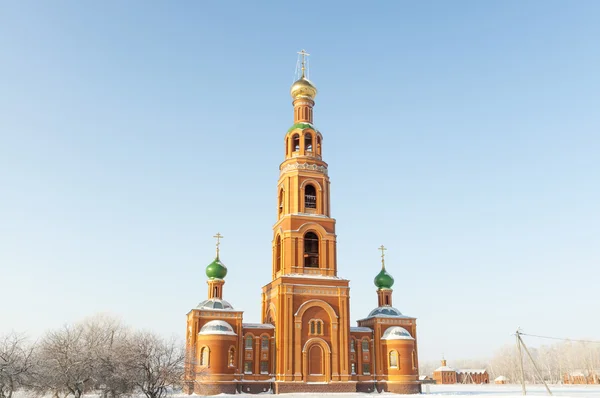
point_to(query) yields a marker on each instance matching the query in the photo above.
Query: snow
(257, 326)
(444, 369)
(435, 391)
(360, 329)
(472, 371)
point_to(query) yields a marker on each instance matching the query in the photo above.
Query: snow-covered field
(435, 391)
(472, 391)
(510, 391)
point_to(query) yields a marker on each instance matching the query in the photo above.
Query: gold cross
(304, 54)
(383, 249)
(219, 237)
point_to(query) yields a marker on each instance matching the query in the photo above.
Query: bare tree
(108, 339)
(155, 365)
(65, 363)
(16, 362)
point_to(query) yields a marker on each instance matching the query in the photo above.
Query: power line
(559, 338)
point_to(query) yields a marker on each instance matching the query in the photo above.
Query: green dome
(216, 269)
(383, 280)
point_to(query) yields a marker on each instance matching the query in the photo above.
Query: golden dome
(303, 88)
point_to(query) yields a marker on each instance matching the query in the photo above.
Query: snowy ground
(435, 391)
(470, 391)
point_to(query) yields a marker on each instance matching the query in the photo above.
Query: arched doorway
(316, 357)
(316, 367)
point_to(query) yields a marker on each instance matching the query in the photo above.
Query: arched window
(278, 253)
(311, 250)
(352, 345)
(316, 327)
(365, 345)
(264, 343)
(310, 197)
(249, 341)
(204, 356)
(281, 196)
(387, 300)
(393, 359)
(296, 142)
(308, 147)
(231, 356)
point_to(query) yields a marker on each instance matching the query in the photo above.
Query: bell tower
(304, 234)
(306, 301)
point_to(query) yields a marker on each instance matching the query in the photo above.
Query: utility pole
(533, 363)
(521, 362)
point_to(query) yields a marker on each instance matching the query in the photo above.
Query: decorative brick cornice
(303, 166)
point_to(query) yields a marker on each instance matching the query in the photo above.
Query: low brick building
(582, 376)
(447, 375)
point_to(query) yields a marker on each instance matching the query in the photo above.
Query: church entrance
(317, 368)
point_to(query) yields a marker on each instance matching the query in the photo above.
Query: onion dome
(303, 88)
(216, 269)
(383, 280)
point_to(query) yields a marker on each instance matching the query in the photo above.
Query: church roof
(396, 333)
(444, 369)
(217, 327)
(387, 311)
(302, 126)
(215, 304)
(471, 371)
(360, 329)
(257, 326)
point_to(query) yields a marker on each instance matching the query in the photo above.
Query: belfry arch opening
(310, 197)
(278, 254)
(281, 202)
(318, 145)
(308, 144)
(296, 143)
(311, 250)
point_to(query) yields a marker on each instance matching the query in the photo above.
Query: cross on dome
(218, 236)
(303, 54)
(383, 249)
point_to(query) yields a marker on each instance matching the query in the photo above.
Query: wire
(558, 338)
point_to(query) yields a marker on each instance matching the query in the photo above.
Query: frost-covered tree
(154, 364)
(16, 362)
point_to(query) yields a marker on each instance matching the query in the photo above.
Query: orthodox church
(304, 342)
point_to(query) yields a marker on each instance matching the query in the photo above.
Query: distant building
(447, 375)
(472, 376)
(582, 376)
(501, 380)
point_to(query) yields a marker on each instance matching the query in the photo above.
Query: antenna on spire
(218, 236)
(383, 249)
(303, 62)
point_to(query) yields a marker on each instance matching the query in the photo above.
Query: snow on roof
(215, 304)
(217, 327)
(501, 378)
(396, 333)
(472, 371)
(316, 276)
(360, 329)
(257, 326)
(444, 369)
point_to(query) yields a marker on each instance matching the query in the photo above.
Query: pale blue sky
(464, 135)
